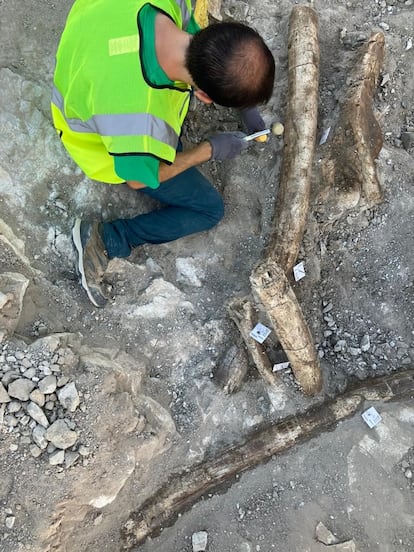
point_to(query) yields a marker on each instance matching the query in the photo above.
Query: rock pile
(364, 355)
(38, 403)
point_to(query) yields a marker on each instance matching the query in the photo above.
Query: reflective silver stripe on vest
(125, 124)
(185, 14)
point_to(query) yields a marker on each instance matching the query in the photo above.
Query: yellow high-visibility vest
(102, 104)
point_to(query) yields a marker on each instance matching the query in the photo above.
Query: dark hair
(231, 63)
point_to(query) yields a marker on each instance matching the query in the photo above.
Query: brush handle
(257, 135)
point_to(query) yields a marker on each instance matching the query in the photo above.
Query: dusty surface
(354, 481)
(145, 365)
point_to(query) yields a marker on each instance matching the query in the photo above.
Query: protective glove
(227, 145)
(252, 119)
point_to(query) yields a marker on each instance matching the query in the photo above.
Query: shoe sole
(78, 244)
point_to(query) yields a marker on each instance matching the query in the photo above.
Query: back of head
(231, 63)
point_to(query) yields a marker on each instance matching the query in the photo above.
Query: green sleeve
(193, 27)
(141, 168)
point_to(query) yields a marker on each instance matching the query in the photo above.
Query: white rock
(4, 396)
(385, 79)
(187, 271)
(365, 343)
(37, 397)
(46, 370)
(13, 407)
(26, 363)
(38, 436)
(324, 535)
(11, 421)
(160, 299)
(10, 522)
(4, 299)
(68, 397)
(29, 373)
(35, 451)
(37, 414)
(84, 450)
(21, 389)
(62, 380)
(70, 458)
(14, 286)
(60, 435)
(48, 385)
(57, 457)
(199, 541)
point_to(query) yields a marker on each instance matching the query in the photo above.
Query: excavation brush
(277, 129)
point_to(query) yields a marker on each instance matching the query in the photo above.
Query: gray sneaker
(92, 259)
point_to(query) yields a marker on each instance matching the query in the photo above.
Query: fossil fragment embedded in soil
(183, 489)
(291, 212)
(348, 171)
(242, 313)
(299, 138)
(272, 288)
(232, 368)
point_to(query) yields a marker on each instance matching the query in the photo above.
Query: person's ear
(202, 96)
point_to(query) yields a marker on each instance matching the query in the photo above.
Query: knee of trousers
(214, 210)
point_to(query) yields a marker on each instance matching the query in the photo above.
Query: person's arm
(224, 145)
(184, 160)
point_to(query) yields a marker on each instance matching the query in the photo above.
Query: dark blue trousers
(191, 204)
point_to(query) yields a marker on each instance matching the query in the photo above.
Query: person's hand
(227, 145)
(252, 119)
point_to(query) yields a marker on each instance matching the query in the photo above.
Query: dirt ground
(145, 366)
